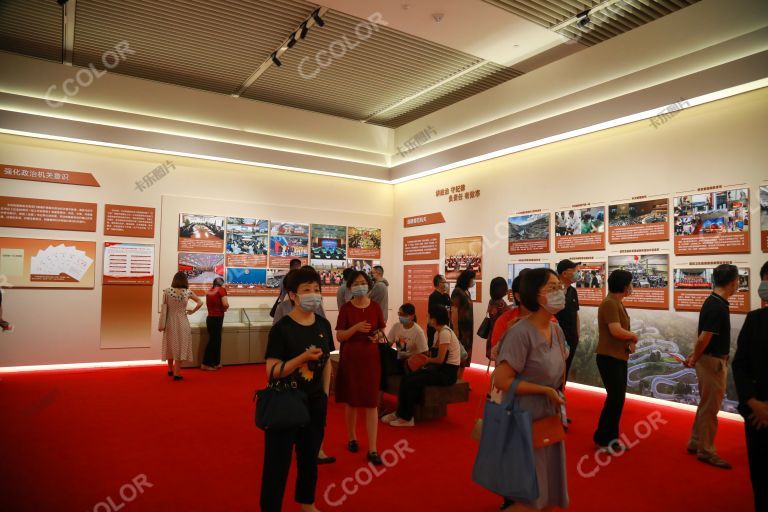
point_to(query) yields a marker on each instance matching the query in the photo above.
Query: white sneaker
(388, 418)
(402, 423)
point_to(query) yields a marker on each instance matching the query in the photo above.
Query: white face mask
(359, 290)
(555, 301)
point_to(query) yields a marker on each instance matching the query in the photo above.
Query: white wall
(62, 326)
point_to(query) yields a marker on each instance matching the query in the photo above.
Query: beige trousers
(712, 373)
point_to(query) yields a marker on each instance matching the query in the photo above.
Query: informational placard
(201, 269)
(580, 228)
(764, 217)
(254, 282)
(17, 172)
(201, 233)
(650, 279)
(27, 212)
(591, 282)
(639, 220)
(41, 263)
(423, 220)
(712, 222)
(125, 220)
(128, 264)
(364, 242)
(287, 241)
(529, 232)
(421, 247)
(417, 286)
(247, 242)
(693, 284)
(465, 253)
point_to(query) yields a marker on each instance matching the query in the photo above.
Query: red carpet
(70, 440)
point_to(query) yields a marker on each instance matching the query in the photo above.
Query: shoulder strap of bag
(561, 346)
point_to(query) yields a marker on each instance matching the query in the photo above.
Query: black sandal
(326, 460)
(177, 377)
(352, 446)
(374, 458)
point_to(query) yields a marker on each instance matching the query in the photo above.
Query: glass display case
(260, 324)
(243, 338)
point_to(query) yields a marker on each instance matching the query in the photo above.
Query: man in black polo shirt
(568, 318)
(710, 358)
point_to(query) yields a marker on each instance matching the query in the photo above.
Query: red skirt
(358, 378)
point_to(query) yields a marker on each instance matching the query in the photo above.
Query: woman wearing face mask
(301, 340)
(407, 335)
(615, 343)
(534, 350)
(441, 370)
(358, 329)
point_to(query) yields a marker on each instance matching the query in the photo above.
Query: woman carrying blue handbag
(529, 373)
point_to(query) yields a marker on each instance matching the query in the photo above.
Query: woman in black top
(302, 340)
(462, 315)
(439, 297)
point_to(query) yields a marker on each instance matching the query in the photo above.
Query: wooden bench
(434, 405)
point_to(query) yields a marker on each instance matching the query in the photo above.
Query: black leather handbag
(281, 405)
(484, 331)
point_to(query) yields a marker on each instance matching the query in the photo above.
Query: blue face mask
(404, 319)
(360, 290)
(310, 302)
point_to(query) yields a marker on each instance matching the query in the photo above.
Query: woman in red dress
(358, 378)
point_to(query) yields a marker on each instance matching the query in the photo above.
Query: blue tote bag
(504, 463)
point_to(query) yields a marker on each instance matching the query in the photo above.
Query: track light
(318, 20)
(582, 20)
(292, 40)
(304, 30)
(276, 60)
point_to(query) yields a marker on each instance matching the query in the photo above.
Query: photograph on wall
(650, 279)
(127, 263)
(529, 234)
(462, 254)
(286, 242)
(201, 233)
(655, 368)
(364, 265)
(247, 242)
(364, 242)
(514, 269)
(330, 274)
(254, 282)
(591, 282)
(328, 243)
(764, 217)
(692, 286)
(580, 229)
(712, 223)
(639, 221)
(201, 269)
(41, 263)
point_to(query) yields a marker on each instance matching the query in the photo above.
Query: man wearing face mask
(568, 318)
(710, 358)
(439, 297)
(750, 373)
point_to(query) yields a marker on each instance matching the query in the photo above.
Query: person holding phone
(359, 329)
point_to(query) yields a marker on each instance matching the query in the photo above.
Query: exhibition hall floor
(133, 440)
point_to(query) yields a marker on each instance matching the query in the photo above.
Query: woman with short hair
(177, 335)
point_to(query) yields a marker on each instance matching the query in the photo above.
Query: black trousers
(614, 374)
(757, 454)
(278, 452)
(573, 345)
(212, 356)
(412, 386)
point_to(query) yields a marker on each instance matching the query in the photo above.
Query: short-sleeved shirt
(213, 301)
(289, 339)
(568, 317)
(715, 317)
(414, 339)
(437, 298)
(461, 300)
(611, 311)
(447, 337)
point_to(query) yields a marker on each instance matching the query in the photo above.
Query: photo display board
(580, 228)
(712, 222)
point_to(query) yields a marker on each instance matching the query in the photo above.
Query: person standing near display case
(615, 343)
(359, 329)
(750, 373)
(710, 359)
(439, 297)
(217, 303)
(177, 335)
(462, 314)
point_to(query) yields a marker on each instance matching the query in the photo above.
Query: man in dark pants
(439, 297)
(568, 318)
(750, 373)
(710, 358)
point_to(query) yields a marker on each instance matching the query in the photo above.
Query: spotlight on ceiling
(61, 2)
(276, 60)
(318, 20)
(292, 40)
(582, 20)
(304, 30)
